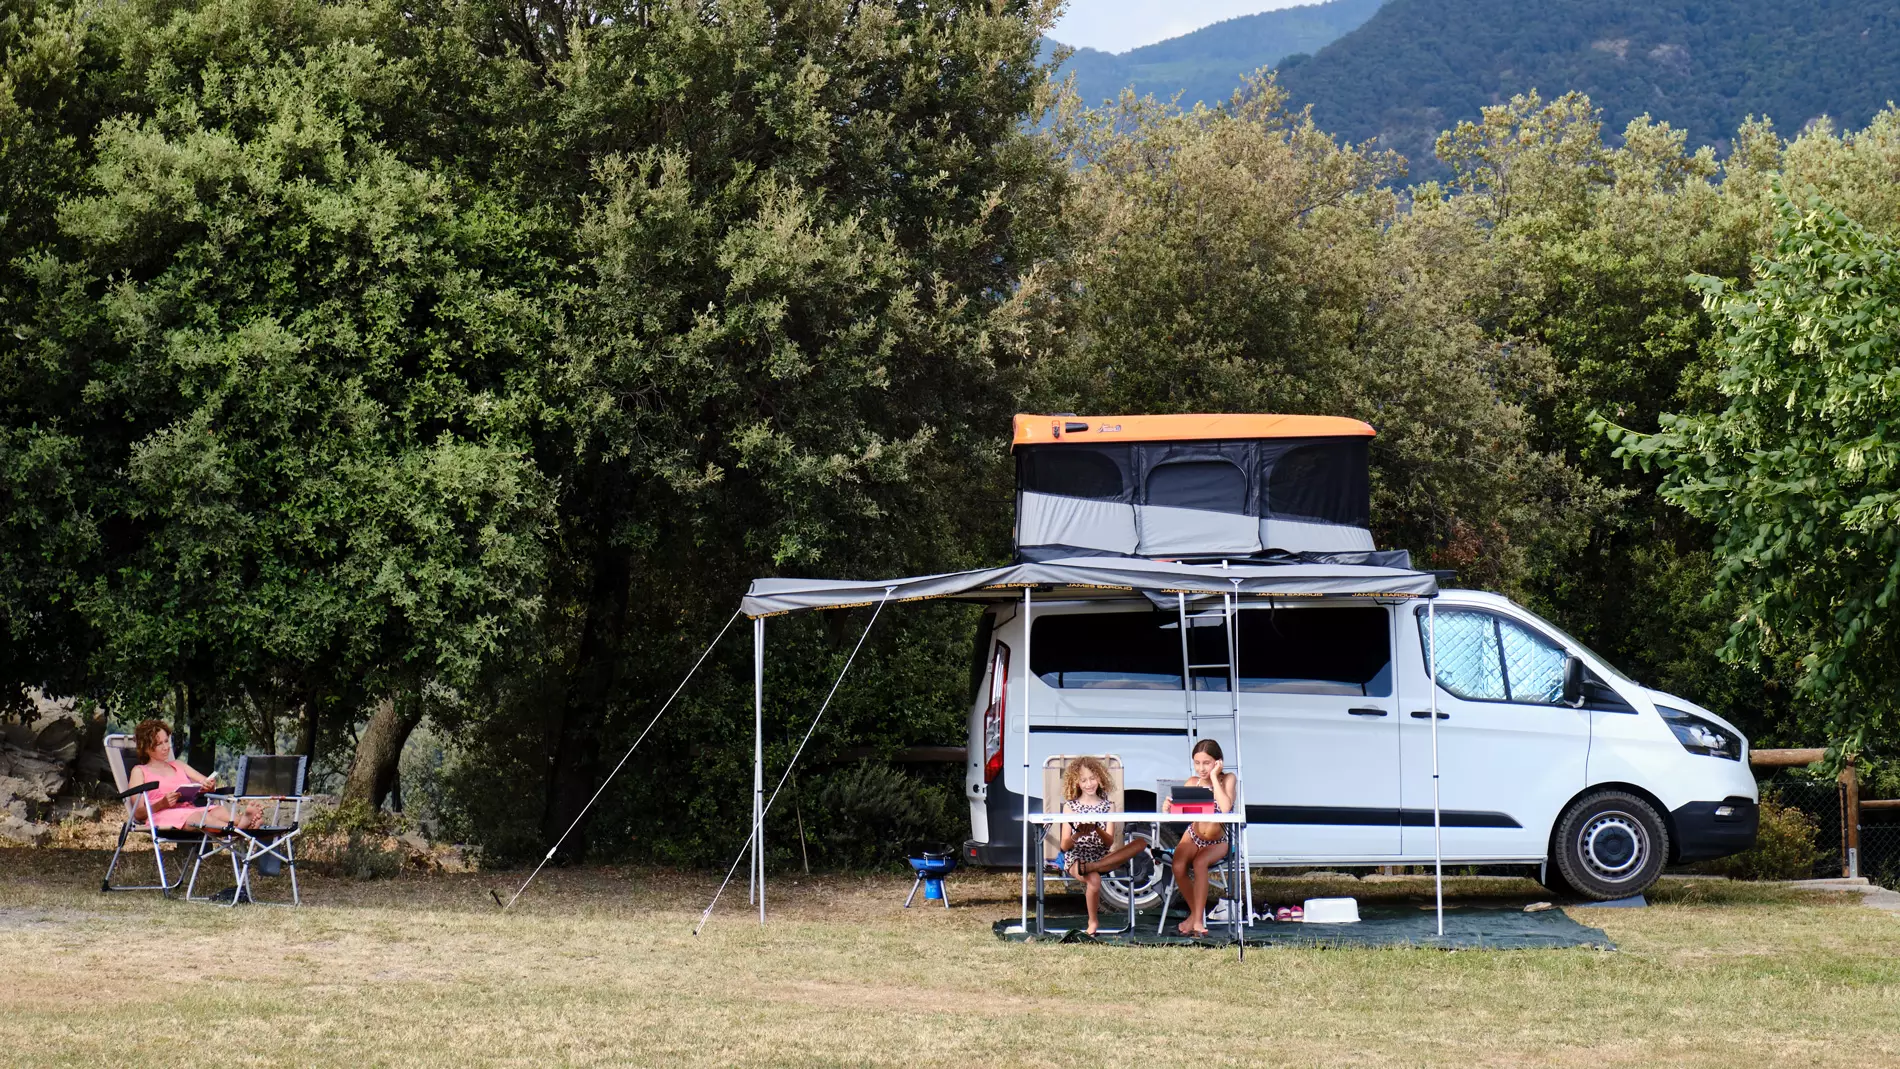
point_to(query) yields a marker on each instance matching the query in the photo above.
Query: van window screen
(1303, 651)
(1072, 471)
(1214, 485)
(1107, 651)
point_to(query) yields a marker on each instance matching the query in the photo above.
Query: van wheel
(1140, 877)
(1610, 844)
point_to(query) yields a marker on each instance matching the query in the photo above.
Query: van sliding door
(1321, 732)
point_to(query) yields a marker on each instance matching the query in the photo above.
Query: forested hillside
(1417, 67)
(1210, 63)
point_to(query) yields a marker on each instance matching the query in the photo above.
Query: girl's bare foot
(1091, 930)
(1185, 927)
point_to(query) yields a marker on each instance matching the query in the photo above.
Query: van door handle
(1366, 712)
(1426, 714)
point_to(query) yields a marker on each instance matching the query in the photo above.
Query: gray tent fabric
(1194, 498)
(1094, 577)
(1053, 520)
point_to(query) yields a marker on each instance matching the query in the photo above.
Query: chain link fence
(1880, 846)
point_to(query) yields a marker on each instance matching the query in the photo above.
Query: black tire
(1553, 881)
(1608, 845)
(1145, 883)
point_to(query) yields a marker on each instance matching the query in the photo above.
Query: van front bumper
(1705, 830)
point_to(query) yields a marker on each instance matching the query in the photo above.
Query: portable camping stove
(931, 864)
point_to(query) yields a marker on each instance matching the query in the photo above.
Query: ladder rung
(1210, 666)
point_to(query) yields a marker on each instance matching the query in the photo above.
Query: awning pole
(1026, 673)
(1438, 845)
(758, 758)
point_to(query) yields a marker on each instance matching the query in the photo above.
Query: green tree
(1799, 474)
(307, 366)
(797, 231)
(1242, 260)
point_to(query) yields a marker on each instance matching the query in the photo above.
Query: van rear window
(1316, 650)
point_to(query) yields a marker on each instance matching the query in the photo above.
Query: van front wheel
(1610, 844)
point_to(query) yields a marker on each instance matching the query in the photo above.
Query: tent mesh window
(1324, 481)
(1210, 485)
(1072, 472)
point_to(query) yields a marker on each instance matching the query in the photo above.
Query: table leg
(1237, 872)
(1042, 832)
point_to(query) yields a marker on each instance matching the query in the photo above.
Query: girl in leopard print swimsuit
(1085, 790)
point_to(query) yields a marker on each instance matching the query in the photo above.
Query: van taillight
(993, 716)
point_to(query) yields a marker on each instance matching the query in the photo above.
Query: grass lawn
(599, 967)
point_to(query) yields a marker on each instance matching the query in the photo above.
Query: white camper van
(1546, 754)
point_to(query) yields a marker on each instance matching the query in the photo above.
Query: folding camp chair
(1053, 859)
(122, 756)
(1221, 877)
(274, 784)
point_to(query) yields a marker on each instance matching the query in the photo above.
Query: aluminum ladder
(1229, 618)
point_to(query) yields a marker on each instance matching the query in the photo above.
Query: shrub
(869, 815)
(1785, 847)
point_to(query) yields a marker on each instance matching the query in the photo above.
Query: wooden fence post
(1850, 819)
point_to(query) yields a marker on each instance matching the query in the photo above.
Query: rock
(1324, 874)
(58, 739)
(18, 734)
(29, 774)
(29, 832)
(74, 809)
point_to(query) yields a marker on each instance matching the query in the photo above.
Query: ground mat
(1466, 928)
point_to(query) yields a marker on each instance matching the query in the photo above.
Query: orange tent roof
(1050, 430)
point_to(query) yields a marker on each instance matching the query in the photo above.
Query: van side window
(1282, 651)
(1533, 665)
(1305, 651)
(1485, 657)
(1469, 664)
(1107, 651)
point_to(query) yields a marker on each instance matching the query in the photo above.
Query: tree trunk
(590, 686)
(379, 751)
(307, 736)
(203, 745)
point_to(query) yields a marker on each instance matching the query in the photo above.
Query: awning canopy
(1095, 577)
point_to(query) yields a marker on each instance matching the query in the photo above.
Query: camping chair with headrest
(1135, 870)
(122, 756)
(274, 784)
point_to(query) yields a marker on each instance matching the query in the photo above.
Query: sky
(1119, 25)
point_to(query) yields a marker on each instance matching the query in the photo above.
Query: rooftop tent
(1195, 486)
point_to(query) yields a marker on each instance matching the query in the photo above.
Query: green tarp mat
(1466, 928)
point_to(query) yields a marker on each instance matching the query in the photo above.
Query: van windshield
(1571, 640)
(1316, 650)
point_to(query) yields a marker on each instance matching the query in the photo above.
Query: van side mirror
(1573, 682)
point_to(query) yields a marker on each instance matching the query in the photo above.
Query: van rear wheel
(1610, 844)
(1139, 877)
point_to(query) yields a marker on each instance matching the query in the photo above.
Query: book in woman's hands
(188, 794)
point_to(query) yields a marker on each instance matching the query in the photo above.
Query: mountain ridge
(1416, 67)
(1207, 65)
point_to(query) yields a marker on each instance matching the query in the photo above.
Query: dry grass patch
(599, 967)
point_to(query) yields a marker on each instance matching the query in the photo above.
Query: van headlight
(1701, 736)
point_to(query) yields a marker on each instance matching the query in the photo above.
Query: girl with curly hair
(1085, 790)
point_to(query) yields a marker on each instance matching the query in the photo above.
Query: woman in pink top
(168, 809)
